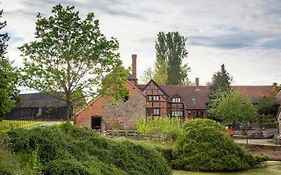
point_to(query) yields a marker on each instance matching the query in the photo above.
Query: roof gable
(158, 87)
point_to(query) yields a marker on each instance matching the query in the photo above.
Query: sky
(244, 35)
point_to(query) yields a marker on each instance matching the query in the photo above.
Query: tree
(70, 56)
(220, 84)
(232, 108)
(266, 111)
(3, 38)
(221, 81)
(170, 52)
(8, 76)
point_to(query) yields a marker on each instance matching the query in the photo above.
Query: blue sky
(245, 35)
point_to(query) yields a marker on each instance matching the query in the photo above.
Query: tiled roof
(256, 92)
(40, 100)
(192, 98)
(197, 99)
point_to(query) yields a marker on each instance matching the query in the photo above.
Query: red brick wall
(101, 107)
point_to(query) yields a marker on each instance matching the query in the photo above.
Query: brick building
(155, 100)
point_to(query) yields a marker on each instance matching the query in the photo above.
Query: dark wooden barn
(38, 106)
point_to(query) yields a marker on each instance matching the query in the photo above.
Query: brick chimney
(134, 65)
(197, 84)
(274, 86)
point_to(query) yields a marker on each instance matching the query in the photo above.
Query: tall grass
(166, 126)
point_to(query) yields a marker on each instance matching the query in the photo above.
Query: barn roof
(39, 100)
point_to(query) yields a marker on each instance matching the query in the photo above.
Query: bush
(69, 150)
(11, 164)
(205, 146)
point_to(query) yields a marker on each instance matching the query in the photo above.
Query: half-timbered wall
(156, 100)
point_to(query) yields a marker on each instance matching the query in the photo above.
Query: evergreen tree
(220, 84)
(221, 81)
(170, 52)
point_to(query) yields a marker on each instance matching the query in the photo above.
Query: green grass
(272, 168)
(7, 125)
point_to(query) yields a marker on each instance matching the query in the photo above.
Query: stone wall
(124, 115)
(273, 152)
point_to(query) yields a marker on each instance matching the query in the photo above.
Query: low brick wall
(273, 152)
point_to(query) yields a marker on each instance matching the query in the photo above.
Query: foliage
(267, 106)
(69, 55)
(3, 38)
(279, 88)
(204, 145)
(221, 81)
(220, 84)
(8, 89)
(11, 164)
(170, 52)
(232, 107)
(148, 75)
(169, 127)
(8, 76)
(66, 149)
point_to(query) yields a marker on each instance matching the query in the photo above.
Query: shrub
(58, 148)
(11, 164)
(205, 146)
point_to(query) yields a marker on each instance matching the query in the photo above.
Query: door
(96, 122)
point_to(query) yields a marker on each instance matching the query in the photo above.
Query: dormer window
(176, 100)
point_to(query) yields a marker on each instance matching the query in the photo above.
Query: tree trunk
(68, 110)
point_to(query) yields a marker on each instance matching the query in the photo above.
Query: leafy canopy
(70, 55)
(8, 76)
(170, 52)
(232, 107)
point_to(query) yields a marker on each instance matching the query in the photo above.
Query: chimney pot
(197, 84)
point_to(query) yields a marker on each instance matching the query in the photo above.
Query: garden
(201, 145)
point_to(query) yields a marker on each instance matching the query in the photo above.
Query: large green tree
(8, 76)
(170, 52)
(70, 57)
(232, 107)
(221, 83)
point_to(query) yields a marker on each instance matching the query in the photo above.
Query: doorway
(96, 122)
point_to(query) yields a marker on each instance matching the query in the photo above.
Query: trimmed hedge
(204, 145)
(77, 151)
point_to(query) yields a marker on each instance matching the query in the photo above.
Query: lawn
(273, 168)
(6, 125)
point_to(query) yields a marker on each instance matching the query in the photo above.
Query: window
(177, 113)
(176, 100)
(156, 111)
(156, 98)
(153, 98)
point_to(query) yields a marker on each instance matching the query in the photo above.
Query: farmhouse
(38, 106)
(153, 100)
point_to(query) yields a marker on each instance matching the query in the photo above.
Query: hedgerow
(70, 150)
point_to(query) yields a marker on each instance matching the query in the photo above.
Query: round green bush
(204, 145)
(53, 150)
